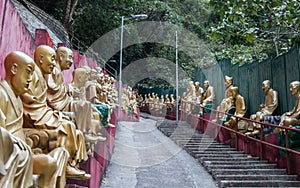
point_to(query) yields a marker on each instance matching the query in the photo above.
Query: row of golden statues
(46, 127)
(129, 102)
(154, 102)
(195, 95)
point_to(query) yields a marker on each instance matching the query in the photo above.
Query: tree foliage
(250, 30)
(243, 30)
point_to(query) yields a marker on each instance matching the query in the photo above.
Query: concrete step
(256, 177)
(242, 166)
(223, 155)
(220, 151)
(266, 183)
(229, 167)
(217, 158)
(185, 142)
(208, 148)
(180, 142)
(248, 171)
(234, 162)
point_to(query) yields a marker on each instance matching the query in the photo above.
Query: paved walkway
(144, 158)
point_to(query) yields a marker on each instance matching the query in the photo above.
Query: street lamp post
(137, 16)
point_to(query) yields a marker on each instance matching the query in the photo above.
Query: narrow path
(145, 158)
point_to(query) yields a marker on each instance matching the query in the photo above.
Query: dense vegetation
(243, 30)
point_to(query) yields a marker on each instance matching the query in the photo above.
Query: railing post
(262, 136)
(287, 152)
(236, 135)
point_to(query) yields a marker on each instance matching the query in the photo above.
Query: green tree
(247, 30)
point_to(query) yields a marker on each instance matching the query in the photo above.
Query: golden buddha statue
(240, 111)
(77, 86)
(38, 115)
(266, 109)
(167, 101)
(198, 92)
(51, 167)
(209, 95)
(15, 161)
(140, 99)
(172, 100)
(97, 94)
(60, 98)
(292, 117)
(224, 103)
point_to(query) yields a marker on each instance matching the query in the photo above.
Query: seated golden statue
(168, 102)
(266, 109)
(77, 86)
(172, 100)
(161, 101)
(190, 96)
(240, 105)
(145, 101)
(209, 94)
(133, 107)
(15, 161)
(292, 117)
(140, 100)
(51, 167)
(199, 92)
(183, 103)
(59, 97)
(224, 103)
(97, 94)
(38, 115)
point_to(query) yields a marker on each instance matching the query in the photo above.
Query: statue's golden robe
(12, 116)
(59, 97)
(37, 114)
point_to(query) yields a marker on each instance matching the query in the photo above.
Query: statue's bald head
(15, 59)
(19, 69)
(295, 88)
(295, 83)
(64, 57)
(62, 50)
(41, 51)
(80, 76)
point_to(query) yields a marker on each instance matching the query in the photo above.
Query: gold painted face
(66, 60)
(227, 83)
(23, 76)
(48, 62)
(206, 84)
(294, 88)
(265, 87)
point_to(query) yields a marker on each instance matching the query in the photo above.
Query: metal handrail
(261, 140)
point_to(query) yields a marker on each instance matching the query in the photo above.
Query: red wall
(15, 36)
(13, 33)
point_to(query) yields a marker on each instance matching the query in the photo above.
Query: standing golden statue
(266, 109)
(37, 113)
(51, 168)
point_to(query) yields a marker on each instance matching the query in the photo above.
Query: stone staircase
(230, 168)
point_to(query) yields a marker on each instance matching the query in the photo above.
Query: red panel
(14, 35)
